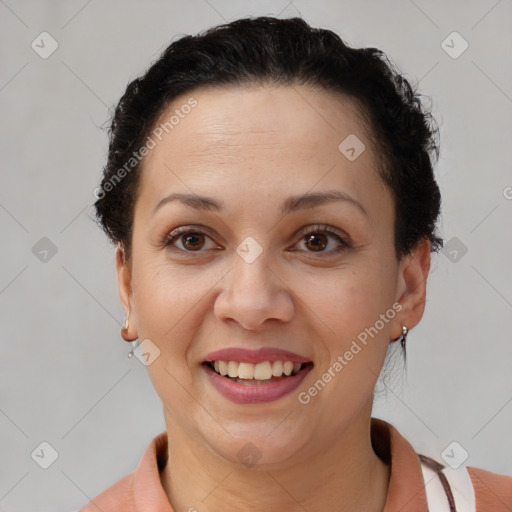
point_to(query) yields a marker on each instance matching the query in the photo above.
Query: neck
(347, 475)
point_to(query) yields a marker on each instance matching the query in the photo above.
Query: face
(256, 236)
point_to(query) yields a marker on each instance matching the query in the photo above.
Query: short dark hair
(266, 50)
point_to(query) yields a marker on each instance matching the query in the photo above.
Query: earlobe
(412, 285)
(125, 293)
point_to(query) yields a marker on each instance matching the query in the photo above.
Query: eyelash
(317, 229)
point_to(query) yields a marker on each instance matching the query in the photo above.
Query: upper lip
(245, 355)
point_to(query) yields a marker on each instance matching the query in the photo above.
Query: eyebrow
(291, 204)
(314, 199)
(192, 200)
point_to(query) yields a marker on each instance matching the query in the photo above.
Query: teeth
(223, 367)
(233, 369)
(263, 371)
(259, 371)
(245, 371)
(277, 369)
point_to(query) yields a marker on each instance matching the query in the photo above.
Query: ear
(412, 286)
(124, 287)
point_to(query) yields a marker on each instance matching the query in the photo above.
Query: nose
(254, 294)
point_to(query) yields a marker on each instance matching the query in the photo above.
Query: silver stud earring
(135, 344)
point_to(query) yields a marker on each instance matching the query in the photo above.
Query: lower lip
(255, 393)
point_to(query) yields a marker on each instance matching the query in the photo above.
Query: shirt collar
(406, 490)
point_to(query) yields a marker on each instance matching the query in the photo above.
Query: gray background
(65, 377)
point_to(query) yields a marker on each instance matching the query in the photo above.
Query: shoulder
(141, 489)
(493, 492)
(118, 494)
(465, 489)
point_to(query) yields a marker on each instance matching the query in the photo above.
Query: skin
(251, 148)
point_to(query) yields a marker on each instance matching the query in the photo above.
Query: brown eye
(189, 239)
(323, 240)
(193, 241)
(316, 241)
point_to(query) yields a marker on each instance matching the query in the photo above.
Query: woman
(271, 194)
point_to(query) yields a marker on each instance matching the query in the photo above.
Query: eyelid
(172, 236)
(189, 228)
(327, 229)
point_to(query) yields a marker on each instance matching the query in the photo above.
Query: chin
(261, 448)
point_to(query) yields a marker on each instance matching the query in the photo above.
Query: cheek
(169, 308)
(344, 309)
(349, 301)
(355, 312)
(168, 304)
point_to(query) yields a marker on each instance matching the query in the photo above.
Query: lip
(245, 355)
(255, 393)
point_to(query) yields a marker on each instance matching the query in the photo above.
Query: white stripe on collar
(460, 484)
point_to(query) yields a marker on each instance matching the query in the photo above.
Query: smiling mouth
(265, 372)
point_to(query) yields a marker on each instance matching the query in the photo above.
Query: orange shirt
(142, 491)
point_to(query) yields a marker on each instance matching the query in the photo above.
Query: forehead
(268, 115)
(266, 138)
